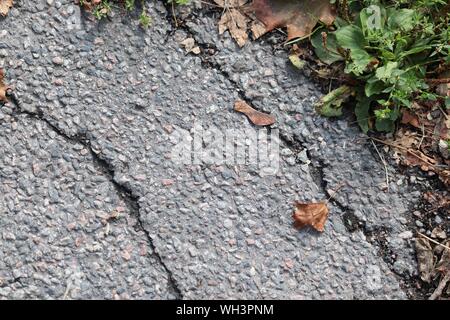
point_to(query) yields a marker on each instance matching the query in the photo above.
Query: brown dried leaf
(3, 86)
(234, 21)
(298, 16)
(310, 214)
(424, 259)
(5, 5)
(256, 117)
(258, 29)
(409, 118)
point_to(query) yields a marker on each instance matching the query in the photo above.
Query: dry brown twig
(384, 164)
(434, 241)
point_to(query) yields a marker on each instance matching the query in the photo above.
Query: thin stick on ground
(384, 164)
(434, 241)
(331, 196)
(405, 149)
(174, 15)
(423, 136)
(443, 112)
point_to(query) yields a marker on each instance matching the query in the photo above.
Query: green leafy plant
(144, 19)
(391, 49)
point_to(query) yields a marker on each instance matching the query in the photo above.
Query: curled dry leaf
(424, 259)
(298, 16)
(256, 117)
(5, 5)
(233, 20)
(310, 214)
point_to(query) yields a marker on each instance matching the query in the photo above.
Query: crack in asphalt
(124, 192)
(352, 223)
(4, 284)
(377, 235)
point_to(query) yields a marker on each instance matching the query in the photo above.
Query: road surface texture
(93, 206)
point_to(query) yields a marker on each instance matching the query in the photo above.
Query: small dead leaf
(190, 46)
(409, 118)
(3, 86)
(299, 16)
(258, 29)
(424, 259)
(5, 5)
(235, 22)
(310, 214)
(256, 117)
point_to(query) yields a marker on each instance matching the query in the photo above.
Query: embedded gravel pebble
(112, 98)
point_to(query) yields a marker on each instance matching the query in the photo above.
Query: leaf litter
(299, 17)
(432, 267)
(5, 6)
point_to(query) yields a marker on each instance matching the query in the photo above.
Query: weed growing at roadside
(395, 50)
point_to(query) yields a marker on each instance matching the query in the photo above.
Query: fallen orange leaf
(256, 117)
(298, 16)
(310, 214)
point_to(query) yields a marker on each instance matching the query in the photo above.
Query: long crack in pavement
(110, 96)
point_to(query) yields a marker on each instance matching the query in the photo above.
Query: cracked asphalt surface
(92, 205)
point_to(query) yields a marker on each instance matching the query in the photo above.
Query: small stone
(438, 233)
(167, 182)
(406, 235)
(419, 224)
(193, 252)
(58, 61)
(289, 263)
(58, 82)
(417, 214)
(168, 128)
(126, 255)
(227, 223)
(37, 28)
